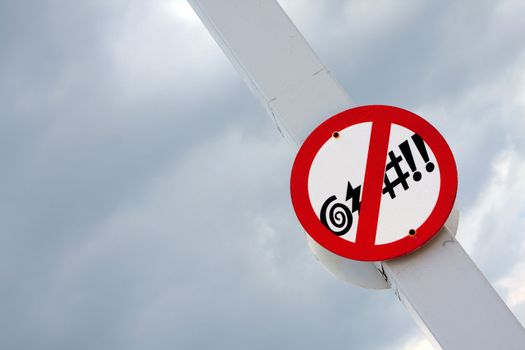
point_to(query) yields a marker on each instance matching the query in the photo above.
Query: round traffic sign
(373, 183)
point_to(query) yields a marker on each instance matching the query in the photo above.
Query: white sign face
(373, 183)
(403, 209)
(339, 168)
(340, 161)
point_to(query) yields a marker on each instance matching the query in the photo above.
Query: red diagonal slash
(373, 184)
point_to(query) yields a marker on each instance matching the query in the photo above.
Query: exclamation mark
(407, 154)
(418, 141)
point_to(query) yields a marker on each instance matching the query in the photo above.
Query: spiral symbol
(339, 219)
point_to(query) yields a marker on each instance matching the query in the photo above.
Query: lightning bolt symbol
(354, 194)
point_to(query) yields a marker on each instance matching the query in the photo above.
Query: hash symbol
(401, 176)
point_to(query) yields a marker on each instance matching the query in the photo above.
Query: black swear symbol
(337, 216)
(401, 177)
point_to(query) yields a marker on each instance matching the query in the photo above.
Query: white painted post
(451, 300)
(439, 284)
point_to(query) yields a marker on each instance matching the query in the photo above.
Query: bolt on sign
(373, 183)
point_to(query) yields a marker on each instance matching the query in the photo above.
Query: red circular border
(301, 170)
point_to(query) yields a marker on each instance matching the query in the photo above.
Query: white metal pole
(439, 284)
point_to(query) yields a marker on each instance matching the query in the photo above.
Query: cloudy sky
(144, 192)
